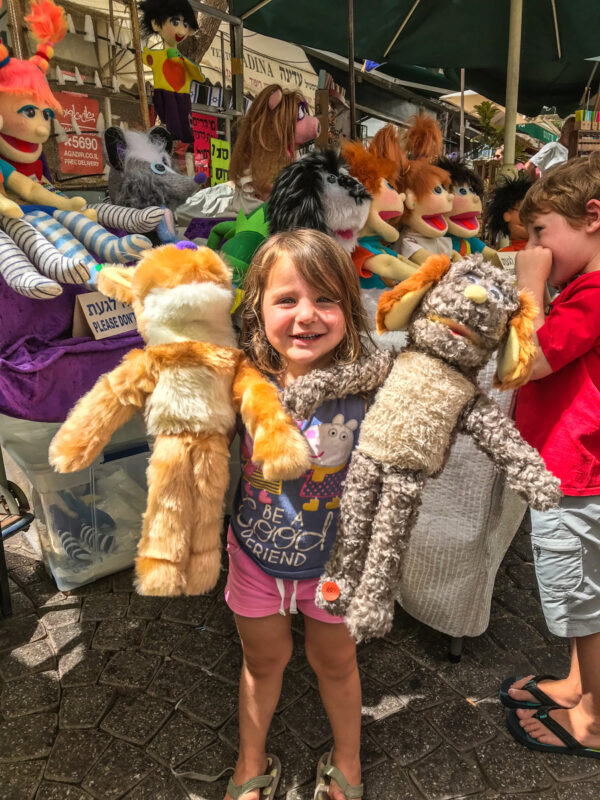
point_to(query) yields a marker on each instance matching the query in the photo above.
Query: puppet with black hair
(464, 219)
(316, 192)
(503, 213)
(173, 21)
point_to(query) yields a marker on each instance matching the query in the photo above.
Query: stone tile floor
(105, 694)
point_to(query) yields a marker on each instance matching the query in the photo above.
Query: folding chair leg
(5, 603)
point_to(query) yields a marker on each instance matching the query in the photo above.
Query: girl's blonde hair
(323, 264)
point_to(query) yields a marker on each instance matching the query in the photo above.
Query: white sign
(507, 260)
(102, 316)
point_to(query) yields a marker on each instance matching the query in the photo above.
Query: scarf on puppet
(457, 315)
(314, 192)
(172, 73)
(427, 188)
(464, 219)
(275, 126)
(190, 381)
(503, 213)
(50, 243)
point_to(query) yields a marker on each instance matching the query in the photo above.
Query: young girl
(301, 311)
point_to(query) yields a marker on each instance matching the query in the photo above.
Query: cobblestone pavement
(104, 694)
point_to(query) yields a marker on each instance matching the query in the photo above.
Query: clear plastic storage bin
(87, 523)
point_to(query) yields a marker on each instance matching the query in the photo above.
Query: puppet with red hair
(52, 242)
(427, 187)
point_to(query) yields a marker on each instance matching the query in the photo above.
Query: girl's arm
(307, 393)
(532, 267)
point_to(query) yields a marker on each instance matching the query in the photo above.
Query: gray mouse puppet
(457, 315)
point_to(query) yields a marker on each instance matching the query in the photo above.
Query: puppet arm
(364, 376)
(395, 268)
(10, 209)
(496, 435)
(113, 400)
(491, 255)
(421, 255)
(33, 192)
(279, 447)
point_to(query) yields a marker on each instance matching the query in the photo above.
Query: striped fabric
(105, 246)
(95, 540)
(62, 239)
(44, 255)
(21, 275)
(73, 548)
(132, 220)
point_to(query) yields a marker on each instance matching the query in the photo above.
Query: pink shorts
(250, 592)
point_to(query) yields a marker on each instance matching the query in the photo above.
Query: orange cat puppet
(189, 381)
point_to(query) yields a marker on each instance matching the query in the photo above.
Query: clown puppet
(173, 21)
(464, 220)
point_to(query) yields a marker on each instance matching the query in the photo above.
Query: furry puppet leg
(371, 612)
(132, 220)
(210, 464)
(163, 551)
(359, 503)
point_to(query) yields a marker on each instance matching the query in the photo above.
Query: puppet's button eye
(389, 185)
(462, 190)
(330, 591)
(438, 189)
(301, 111)
(158, 167)
(471, 277)
(331, 179)
(496, 293)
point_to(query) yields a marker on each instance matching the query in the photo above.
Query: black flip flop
(572, 746)
(532, 687)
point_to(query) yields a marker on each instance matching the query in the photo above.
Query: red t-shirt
(559, 415)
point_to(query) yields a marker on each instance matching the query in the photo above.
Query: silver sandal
(326, 772)
(267, 783)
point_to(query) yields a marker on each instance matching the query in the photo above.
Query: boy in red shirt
(558, 412)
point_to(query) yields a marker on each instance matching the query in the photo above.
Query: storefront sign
(81, 154)
(219, 161)
(102, 316)
(204, 128)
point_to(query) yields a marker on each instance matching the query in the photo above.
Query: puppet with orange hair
(427, 187)
(52, 242)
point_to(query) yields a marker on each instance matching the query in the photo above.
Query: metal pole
(236, 37)
(16, 23)
(351, 68)
(512, 85)
(461, 147)
(137, 46)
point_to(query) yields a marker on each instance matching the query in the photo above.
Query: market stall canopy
(266, 61)
(557, 35)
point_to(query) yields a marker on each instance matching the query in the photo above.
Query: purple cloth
(201, 227)
(174, 110)
(43, 372)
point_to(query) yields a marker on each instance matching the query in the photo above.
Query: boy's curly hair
(566, 190)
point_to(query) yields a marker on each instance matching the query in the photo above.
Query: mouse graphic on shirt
(331, 444)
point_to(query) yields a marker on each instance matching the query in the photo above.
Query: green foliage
(493, 135)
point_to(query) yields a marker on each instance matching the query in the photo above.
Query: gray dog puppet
(457, 316)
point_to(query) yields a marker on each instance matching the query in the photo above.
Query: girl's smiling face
(173, 30)
(301, 323)
(26, 126)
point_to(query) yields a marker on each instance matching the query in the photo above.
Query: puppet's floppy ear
(515, 358)
(396, 307)
(115, 281)
(116, 147)
(161, 137)
(275, 99)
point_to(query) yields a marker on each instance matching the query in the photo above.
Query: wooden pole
(512, 85)
(351, 69)
(16, 22)
(137, 46)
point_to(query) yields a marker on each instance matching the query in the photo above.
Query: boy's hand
(533, 266)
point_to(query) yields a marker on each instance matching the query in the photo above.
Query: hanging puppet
(276, 125)
(464, 219)
(503, 213)
(173, 21)
(427, 188)
(50, 243)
